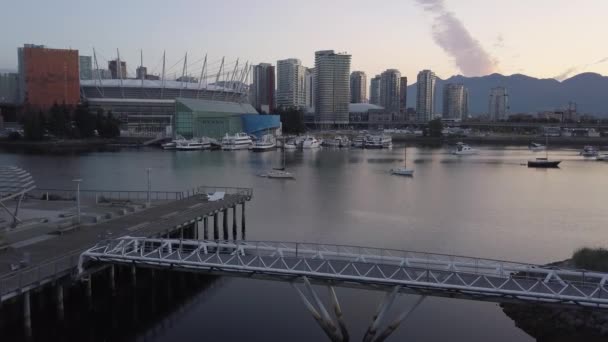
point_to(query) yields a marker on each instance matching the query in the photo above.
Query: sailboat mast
(546, 145)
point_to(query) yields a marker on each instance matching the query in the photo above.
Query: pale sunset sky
(540, 38)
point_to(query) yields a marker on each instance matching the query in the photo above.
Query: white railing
(438, 274)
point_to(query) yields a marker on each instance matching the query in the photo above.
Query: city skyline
(486, 26)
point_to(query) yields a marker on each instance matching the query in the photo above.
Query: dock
(47, 251)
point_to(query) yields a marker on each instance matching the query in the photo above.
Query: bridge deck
(413, 272)
(56, 255)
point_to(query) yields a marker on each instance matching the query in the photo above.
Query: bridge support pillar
(27, 315)
(234, 235)
(181, 233)
(243, 222)
(112, 279)
(225, 224)
(205, 228)
(59, 299)
(216, 232)
(133, 275)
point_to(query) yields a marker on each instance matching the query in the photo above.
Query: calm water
(485, 206)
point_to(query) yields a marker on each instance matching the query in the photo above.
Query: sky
(539, 38)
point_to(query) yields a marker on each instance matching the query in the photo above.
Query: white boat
(310, 142)
(463, 149)
(239, 141)
(403, 171)
(266, 143)
(337, 142)
(172, 145)
(359, 141)
(602, 157)
(536, 147)
(378, 141)
(193, 144)
(280, 173)
(589, 151)
(290, 145)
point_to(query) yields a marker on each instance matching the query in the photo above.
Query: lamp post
(149, 184)
(77, 181)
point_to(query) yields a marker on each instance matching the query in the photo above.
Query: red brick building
(48, 76)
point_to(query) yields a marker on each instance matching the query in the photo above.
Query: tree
(292, 119)
(85, 121)
(59, 120)
(107, 126)
(33, 126)
(435, 128)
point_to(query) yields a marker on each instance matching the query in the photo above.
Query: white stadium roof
(135, 83)
(362, 107)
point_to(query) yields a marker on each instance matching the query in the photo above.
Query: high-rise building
(48, 76)
(332, 87)
(358, 87)
(403, 95)
(118, 71)
(141, 72)
(9, 88)
(390, 82)
(85, 64)
(310, 90)
(262, 89)
(498, 104)
(103, 74)
(374, 90)
(425, 96)
(291, 83)
(455, 101)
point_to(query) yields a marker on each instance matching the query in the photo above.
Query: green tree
(292, 120)
(435, 128)
(107, 125)
(33, 126)
(59, 120)
(85, 121)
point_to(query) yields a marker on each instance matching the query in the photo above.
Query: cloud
(453, 37)
(500, 41)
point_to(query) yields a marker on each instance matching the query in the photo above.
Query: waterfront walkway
(52, 256)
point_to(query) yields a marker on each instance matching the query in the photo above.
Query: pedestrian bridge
(372, 268)
(391, 271)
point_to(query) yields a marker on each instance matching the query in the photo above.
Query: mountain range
(528, 94)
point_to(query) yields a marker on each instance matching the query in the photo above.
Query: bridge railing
(37, 274)
(134, 195)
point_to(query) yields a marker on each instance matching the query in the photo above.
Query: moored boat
(589, 151)
(193, 144)
(536, 147)
(266, 143)
(378, 141)
(239, 141)
(310, 142)
(463, 149)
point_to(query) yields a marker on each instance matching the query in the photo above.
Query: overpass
(391, 271)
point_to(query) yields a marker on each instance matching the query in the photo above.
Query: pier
(44, 252)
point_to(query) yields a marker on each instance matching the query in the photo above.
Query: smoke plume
(451, 35)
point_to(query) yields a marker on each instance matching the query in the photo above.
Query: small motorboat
(536, 147)
(463, 149)
(602, 157)
(310, 142)
(589, 151)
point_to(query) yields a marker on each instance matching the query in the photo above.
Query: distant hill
(529, 94)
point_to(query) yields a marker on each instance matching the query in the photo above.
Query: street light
(77, 181)
(149, 185)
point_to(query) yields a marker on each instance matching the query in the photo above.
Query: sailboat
(544, 162)
(280, 173)
(403, 171)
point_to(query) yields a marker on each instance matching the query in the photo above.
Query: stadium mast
(163, 77)
(203, 75)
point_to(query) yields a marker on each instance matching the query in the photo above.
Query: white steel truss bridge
(391, 271)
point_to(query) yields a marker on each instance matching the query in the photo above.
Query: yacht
(359, 141)
(193, 144)
(544, 163)
(290, 145)
(239, 141)
(536, 147)
(266, 143)
(310, 142)
(337, 142)
(172, 145)
(378, 141)
(589, 151)
(463, 149)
